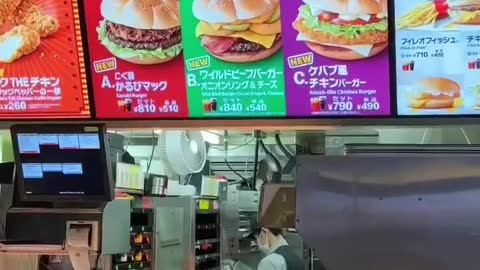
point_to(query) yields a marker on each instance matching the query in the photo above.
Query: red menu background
(107, 103)
(51, 81)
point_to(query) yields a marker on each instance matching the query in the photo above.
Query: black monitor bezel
(63, 128)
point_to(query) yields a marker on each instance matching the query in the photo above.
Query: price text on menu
(42, 71)
(135, 58)
(336, 58)
(438, 57)
(233, 61)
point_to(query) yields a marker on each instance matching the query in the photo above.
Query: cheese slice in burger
(238, 30)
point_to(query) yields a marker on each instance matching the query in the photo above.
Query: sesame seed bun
(230, 11)
(360, 7)
(142, 14)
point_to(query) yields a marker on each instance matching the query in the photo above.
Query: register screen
(61, 164)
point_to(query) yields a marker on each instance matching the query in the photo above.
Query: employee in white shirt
(280, 256)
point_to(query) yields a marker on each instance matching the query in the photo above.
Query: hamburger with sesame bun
(141, 31)
(238, 30)
(344, 29)
(434, 93)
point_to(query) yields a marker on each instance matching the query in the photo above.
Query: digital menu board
(42, 72)
(233, 58)
(438, 57)
(135, 57)
(336, 57)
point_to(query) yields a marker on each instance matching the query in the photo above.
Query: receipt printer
(78, 233)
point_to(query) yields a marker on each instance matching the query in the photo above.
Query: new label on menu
(42, 70)
(233, 58)
(135, 58)
(438, 57)
(336, 57)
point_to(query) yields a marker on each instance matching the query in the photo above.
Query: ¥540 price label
(252, 107)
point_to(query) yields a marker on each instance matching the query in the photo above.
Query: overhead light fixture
(212, 137)
(157, 131)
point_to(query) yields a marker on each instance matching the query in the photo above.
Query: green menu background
(260, 102)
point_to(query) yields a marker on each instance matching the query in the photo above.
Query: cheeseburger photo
(332, 28)
(141, 31)
(238, 30)
(464, 11)
(434, 93)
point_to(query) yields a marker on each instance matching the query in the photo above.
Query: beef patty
(245, 46)
(141, 39)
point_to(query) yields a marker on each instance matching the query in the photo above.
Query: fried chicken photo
(18, 42)
(32, 16)
(7, 8)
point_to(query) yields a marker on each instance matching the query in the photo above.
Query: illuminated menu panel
(438, 58)
(234, 64)
(136, 59)
(42, 72)
(336, 63)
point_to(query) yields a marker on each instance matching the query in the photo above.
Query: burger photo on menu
(343, 29)
(434, 93)
(141, 31)
(464, 11)
(239, 31)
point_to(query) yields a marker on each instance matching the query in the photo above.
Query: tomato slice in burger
(327, 16)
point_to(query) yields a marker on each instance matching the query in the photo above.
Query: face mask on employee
(262, 242)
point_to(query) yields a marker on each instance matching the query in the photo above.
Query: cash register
(63, 201)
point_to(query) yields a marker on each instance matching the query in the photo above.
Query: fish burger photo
(141, 31)
(434, 93)
(343, 29)
(238, 31)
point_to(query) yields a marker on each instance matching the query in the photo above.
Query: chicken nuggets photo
(31, 15)
(7, 8)
(18, 42)
(23, 26)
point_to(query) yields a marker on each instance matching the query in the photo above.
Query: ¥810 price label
(234, 106)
